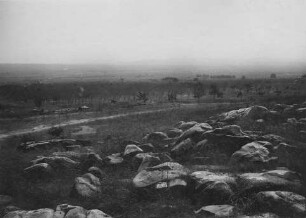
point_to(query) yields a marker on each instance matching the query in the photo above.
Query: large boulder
(185, 125)
(223, 144)
(87, 186)
(216, 211)
(182, 149)
(158, 139)
(212, 188)
(142, 161)
(253, 156)
(273, 180)
(39, 213)
(245, 114)
(131, 150)
(195, 132)
(173, 133)
(57, 162)
(284, 203)
(163, 172)
(233, 130)
(114, 159)
(40, 170)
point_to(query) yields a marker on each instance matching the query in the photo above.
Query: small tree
(198, 90)
(142, 96)
(172, 96)
(213, 90)
(273, 76)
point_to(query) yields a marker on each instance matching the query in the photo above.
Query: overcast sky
(115, 31)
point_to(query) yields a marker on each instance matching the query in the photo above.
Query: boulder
(174, 133)
(97, 172)
(183, 148)
(57, 162)
(280, 179)
(40, 170)
(148, 147)
(261, 215)
(39, 213)
(96, 214)
(216, 211)
(176, 187)
(284, 203)
(272, 138)
(186, 125)
(195, 133)
(114, 159)
(212, 188)
(223, 144)
(131, 150)
(88, 186)
(77, 212)
(163, 172)
(142, 161)
(245, 114)
(158, 139)
(253, 156)
(233, 130)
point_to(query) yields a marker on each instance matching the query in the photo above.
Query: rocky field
(249, 162)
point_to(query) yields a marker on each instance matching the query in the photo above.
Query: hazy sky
(114, 31)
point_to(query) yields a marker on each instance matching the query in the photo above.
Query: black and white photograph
(152, 108)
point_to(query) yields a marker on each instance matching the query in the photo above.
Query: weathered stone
(234, 130)
(282, 202)
(173, 133)
(269, 181)
(195, 133)
(216, 211)
(186, 125)
(88, 186)
(157, 138)
(261, 215)
(39, 213)
(39, 170)
(245, 114)
(77, 212)
(182, 148)
(148, 147)
(163, 172)
(212, 188)
(114, 159)
(96, 214)
(131, 150)
(253, 156)
(57, 162)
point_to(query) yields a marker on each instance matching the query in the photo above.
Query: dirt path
(78, 121)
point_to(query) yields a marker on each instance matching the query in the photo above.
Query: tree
(198, 90)
(213, 90)
(273, 76)
(142, 96)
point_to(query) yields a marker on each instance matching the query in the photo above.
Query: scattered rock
(173, 133)
(114, 159)
(253, 156)
(88, 186)
(183, 148)
(212, 188)
(269, 181)
(39, 213)
(40, 170)
(131, 150)
(216, 211)
(282, 203)
(148, 147)
(163, 172)
(186, 125)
